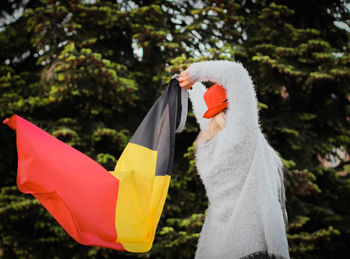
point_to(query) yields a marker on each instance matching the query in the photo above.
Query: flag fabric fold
(118, 209)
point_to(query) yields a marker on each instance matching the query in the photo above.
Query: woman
(241, 172)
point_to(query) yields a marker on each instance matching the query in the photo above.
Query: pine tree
(88, 71)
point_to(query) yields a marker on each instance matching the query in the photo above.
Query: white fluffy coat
(241, 172)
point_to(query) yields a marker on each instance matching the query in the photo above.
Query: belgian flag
(118, 209)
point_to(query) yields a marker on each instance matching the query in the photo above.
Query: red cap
(216, 100)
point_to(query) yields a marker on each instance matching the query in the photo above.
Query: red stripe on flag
(78, 192)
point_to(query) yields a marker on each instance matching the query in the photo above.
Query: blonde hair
(215, 125)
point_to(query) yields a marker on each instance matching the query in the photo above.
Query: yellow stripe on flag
(141, 197)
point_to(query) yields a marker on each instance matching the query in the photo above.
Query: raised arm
(198, 103)
(242, 113)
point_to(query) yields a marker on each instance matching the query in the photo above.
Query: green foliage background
(88, 71)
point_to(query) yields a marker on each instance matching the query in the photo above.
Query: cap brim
(215, 110)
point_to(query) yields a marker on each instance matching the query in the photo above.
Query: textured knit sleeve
(242, 113)
(198, 103)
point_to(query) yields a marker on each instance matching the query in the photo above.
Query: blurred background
(88, 71)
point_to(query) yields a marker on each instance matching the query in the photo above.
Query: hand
(185, 80)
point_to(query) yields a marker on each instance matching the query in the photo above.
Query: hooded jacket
(241, 172)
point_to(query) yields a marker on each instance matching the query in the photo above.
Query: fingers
(185, 80)
(184, 76)
(186, 83)
(184, 73)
